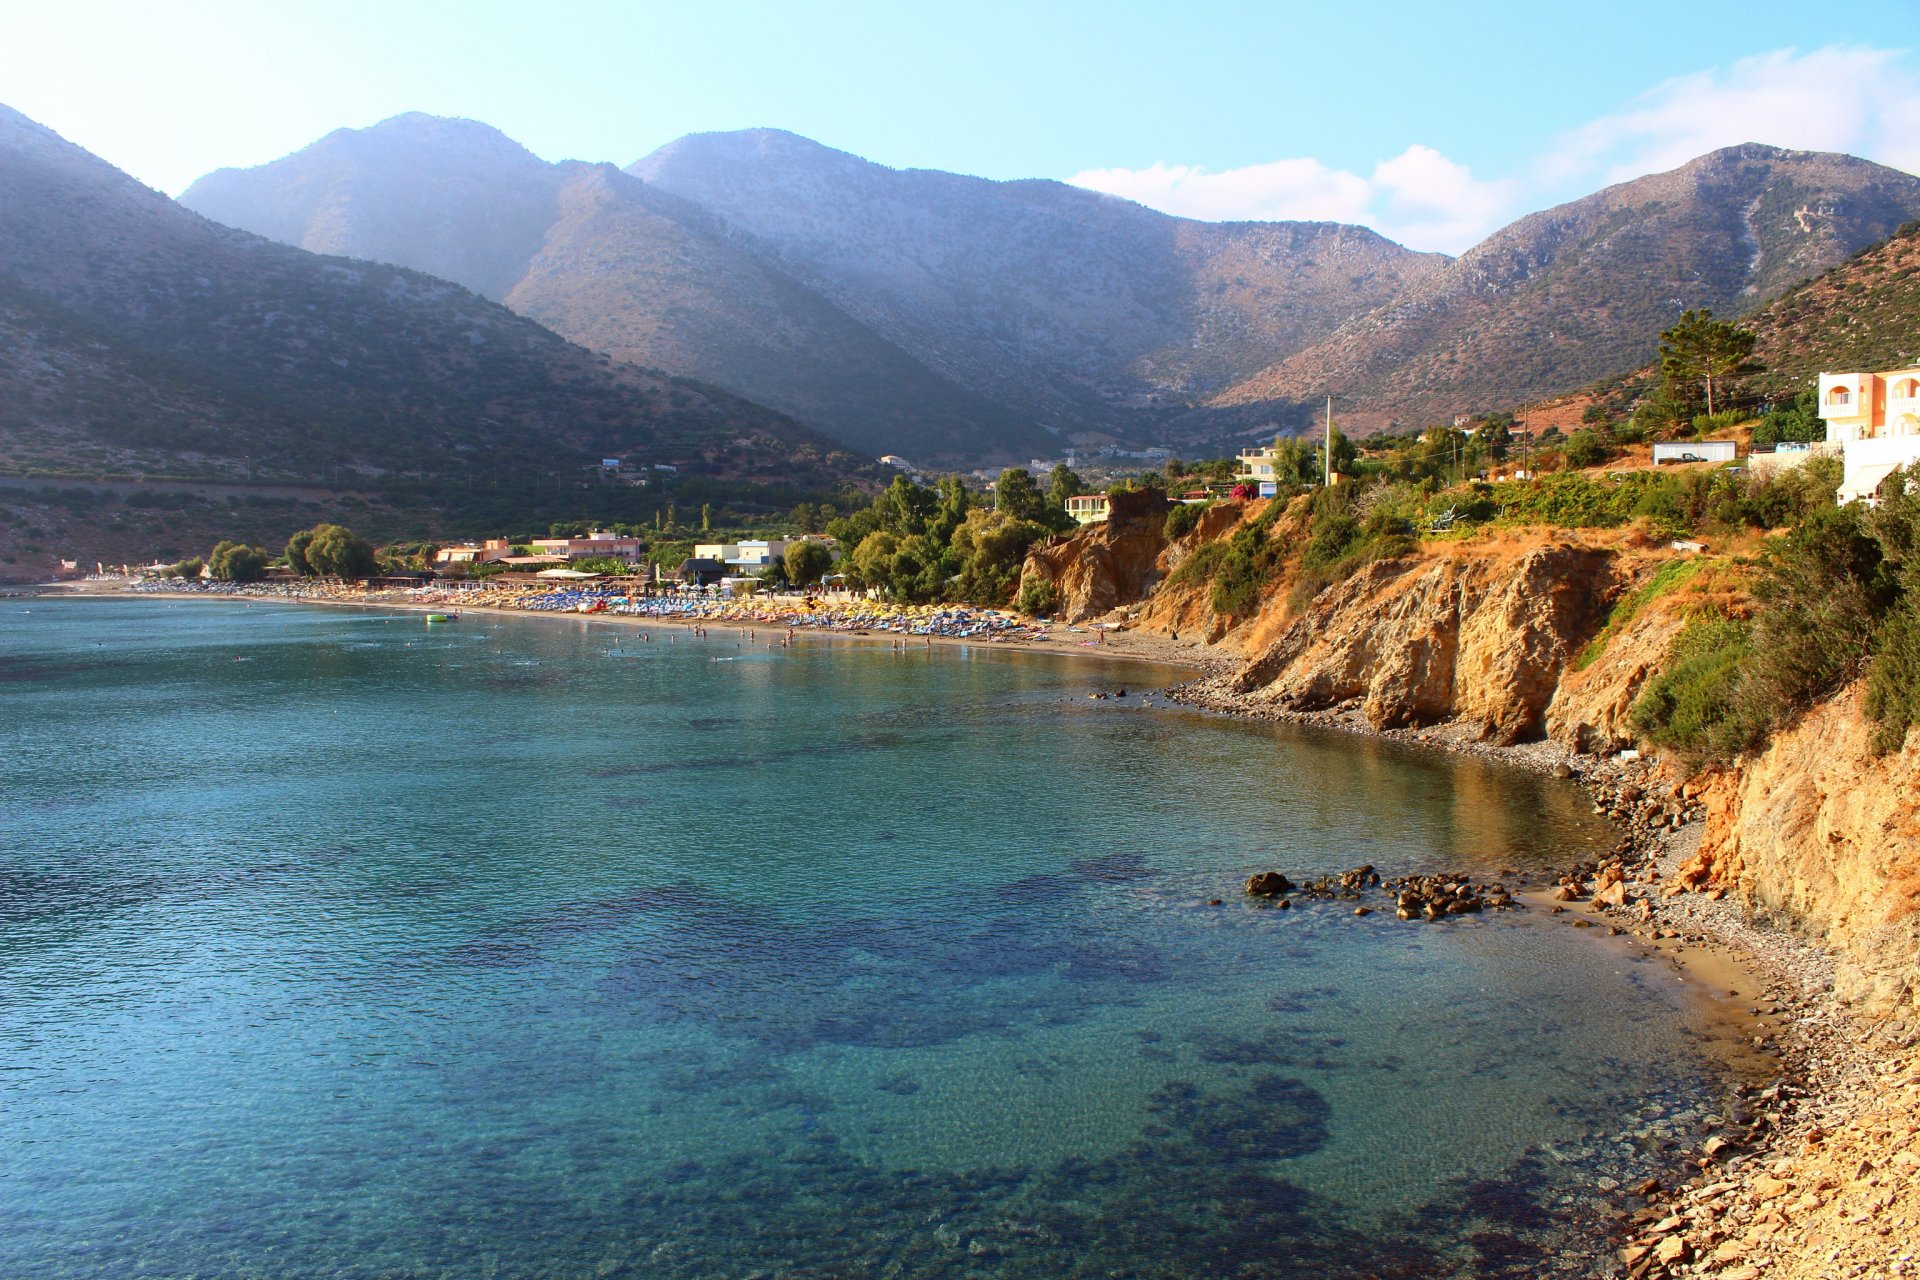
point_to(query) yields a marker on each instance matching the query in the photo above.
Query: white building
(1875, 419)
(1671, 451)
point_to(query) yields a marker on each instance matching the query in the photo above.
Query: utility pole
(1328, 479)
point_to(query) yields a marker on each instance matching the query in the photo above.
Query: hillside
(140, 336)
(612, 263)
(1081, 304)
(1566, 296)
(947, 318)
(1863, 314)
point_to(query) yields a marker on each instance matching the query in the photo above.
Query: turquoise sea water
(335, 945)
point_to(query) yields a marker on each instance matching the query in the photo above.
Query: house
(595, 545)
(749, 555)
(1875, 419)
(1671, 451)
(1089, 508)
(1256, 466)
(897, 462)
(472, 553)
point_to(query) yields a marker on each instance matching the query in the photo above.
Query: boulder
(1268, 884)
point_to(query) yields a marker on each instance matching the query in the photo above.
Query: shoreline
(1768, 1199)
(1118, 646)
(1799, 1066)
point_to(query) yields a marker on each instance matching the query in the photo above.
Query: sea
(335, 943)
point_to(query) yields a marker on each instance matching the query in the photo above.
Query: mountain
(137, 335)
(942, 317)
(1566, 296)
(1083, 306)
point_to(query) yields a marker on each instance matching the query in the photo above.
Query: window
(1839, 395)
(1907, 388)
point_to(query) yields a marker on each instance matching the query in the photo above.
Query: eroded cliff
(1821, 831)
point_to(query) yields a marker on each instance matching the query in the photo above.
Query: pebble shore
(1812, 1168)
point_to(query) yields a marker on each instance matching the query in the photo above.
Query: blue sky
(1431, 126)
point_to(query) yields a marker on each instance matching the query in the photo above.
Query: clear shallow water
(332, 945)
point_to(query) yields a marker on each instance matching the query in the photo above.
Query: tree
(706, 516)
(1064, 482)
(1293, 461)
(807, 562)
(1495, 435)
(1344, 455)
(328, 549)
(991, 546)
(237, 562)
(297, 553)
(873, 558)
(1018, 496)
(1699, 350)
(1584, 449)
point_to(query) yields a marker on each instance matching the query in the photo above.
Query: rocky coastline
(1812, 1166)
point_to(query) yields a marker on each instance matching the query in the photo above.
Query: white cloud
(1853, 99)
(1419, 196)
(1862, 101)
(1283, 190)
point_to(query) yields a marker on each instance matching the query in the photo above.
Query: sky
(1433, 124)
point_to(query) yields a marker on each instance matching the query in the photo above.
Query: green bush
(1893, 682)
(1693, 707)
(1036, 597)
(1585, 449)
(1183, 518)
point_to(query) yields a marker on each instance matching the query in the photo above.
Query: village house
(1089, 508)
(1875, 419)
(1257, 469)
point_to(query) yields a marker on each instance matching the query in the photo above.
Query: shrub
(1036, 597)
(1693, 706)
(1893, 682)
(1184, 518)
(1585, 449)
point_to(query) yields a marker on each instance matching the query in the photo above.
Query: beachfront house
(1875, 420)
(1089, 508)
(749, 555)
(597, 544)
(473, 552)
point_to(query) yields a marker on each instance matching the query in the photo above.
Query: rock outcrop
(1420, 640)
(1105, 565)
(1819, 830)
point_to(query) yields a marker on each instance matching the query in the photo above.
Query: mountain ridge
(221, 345)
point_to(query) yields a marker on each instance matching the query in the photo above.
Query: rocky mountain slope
(611, 262)
(1572, 294)
(136, 335)
(1863, 314)
(954, 319)
(1082, 305)
(1512, 637)
(942, 317)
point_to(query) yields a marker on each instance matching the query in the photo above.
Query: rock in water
(1268, 884)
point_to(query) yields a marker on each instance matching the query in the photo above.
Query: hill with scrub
(1575, 293)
